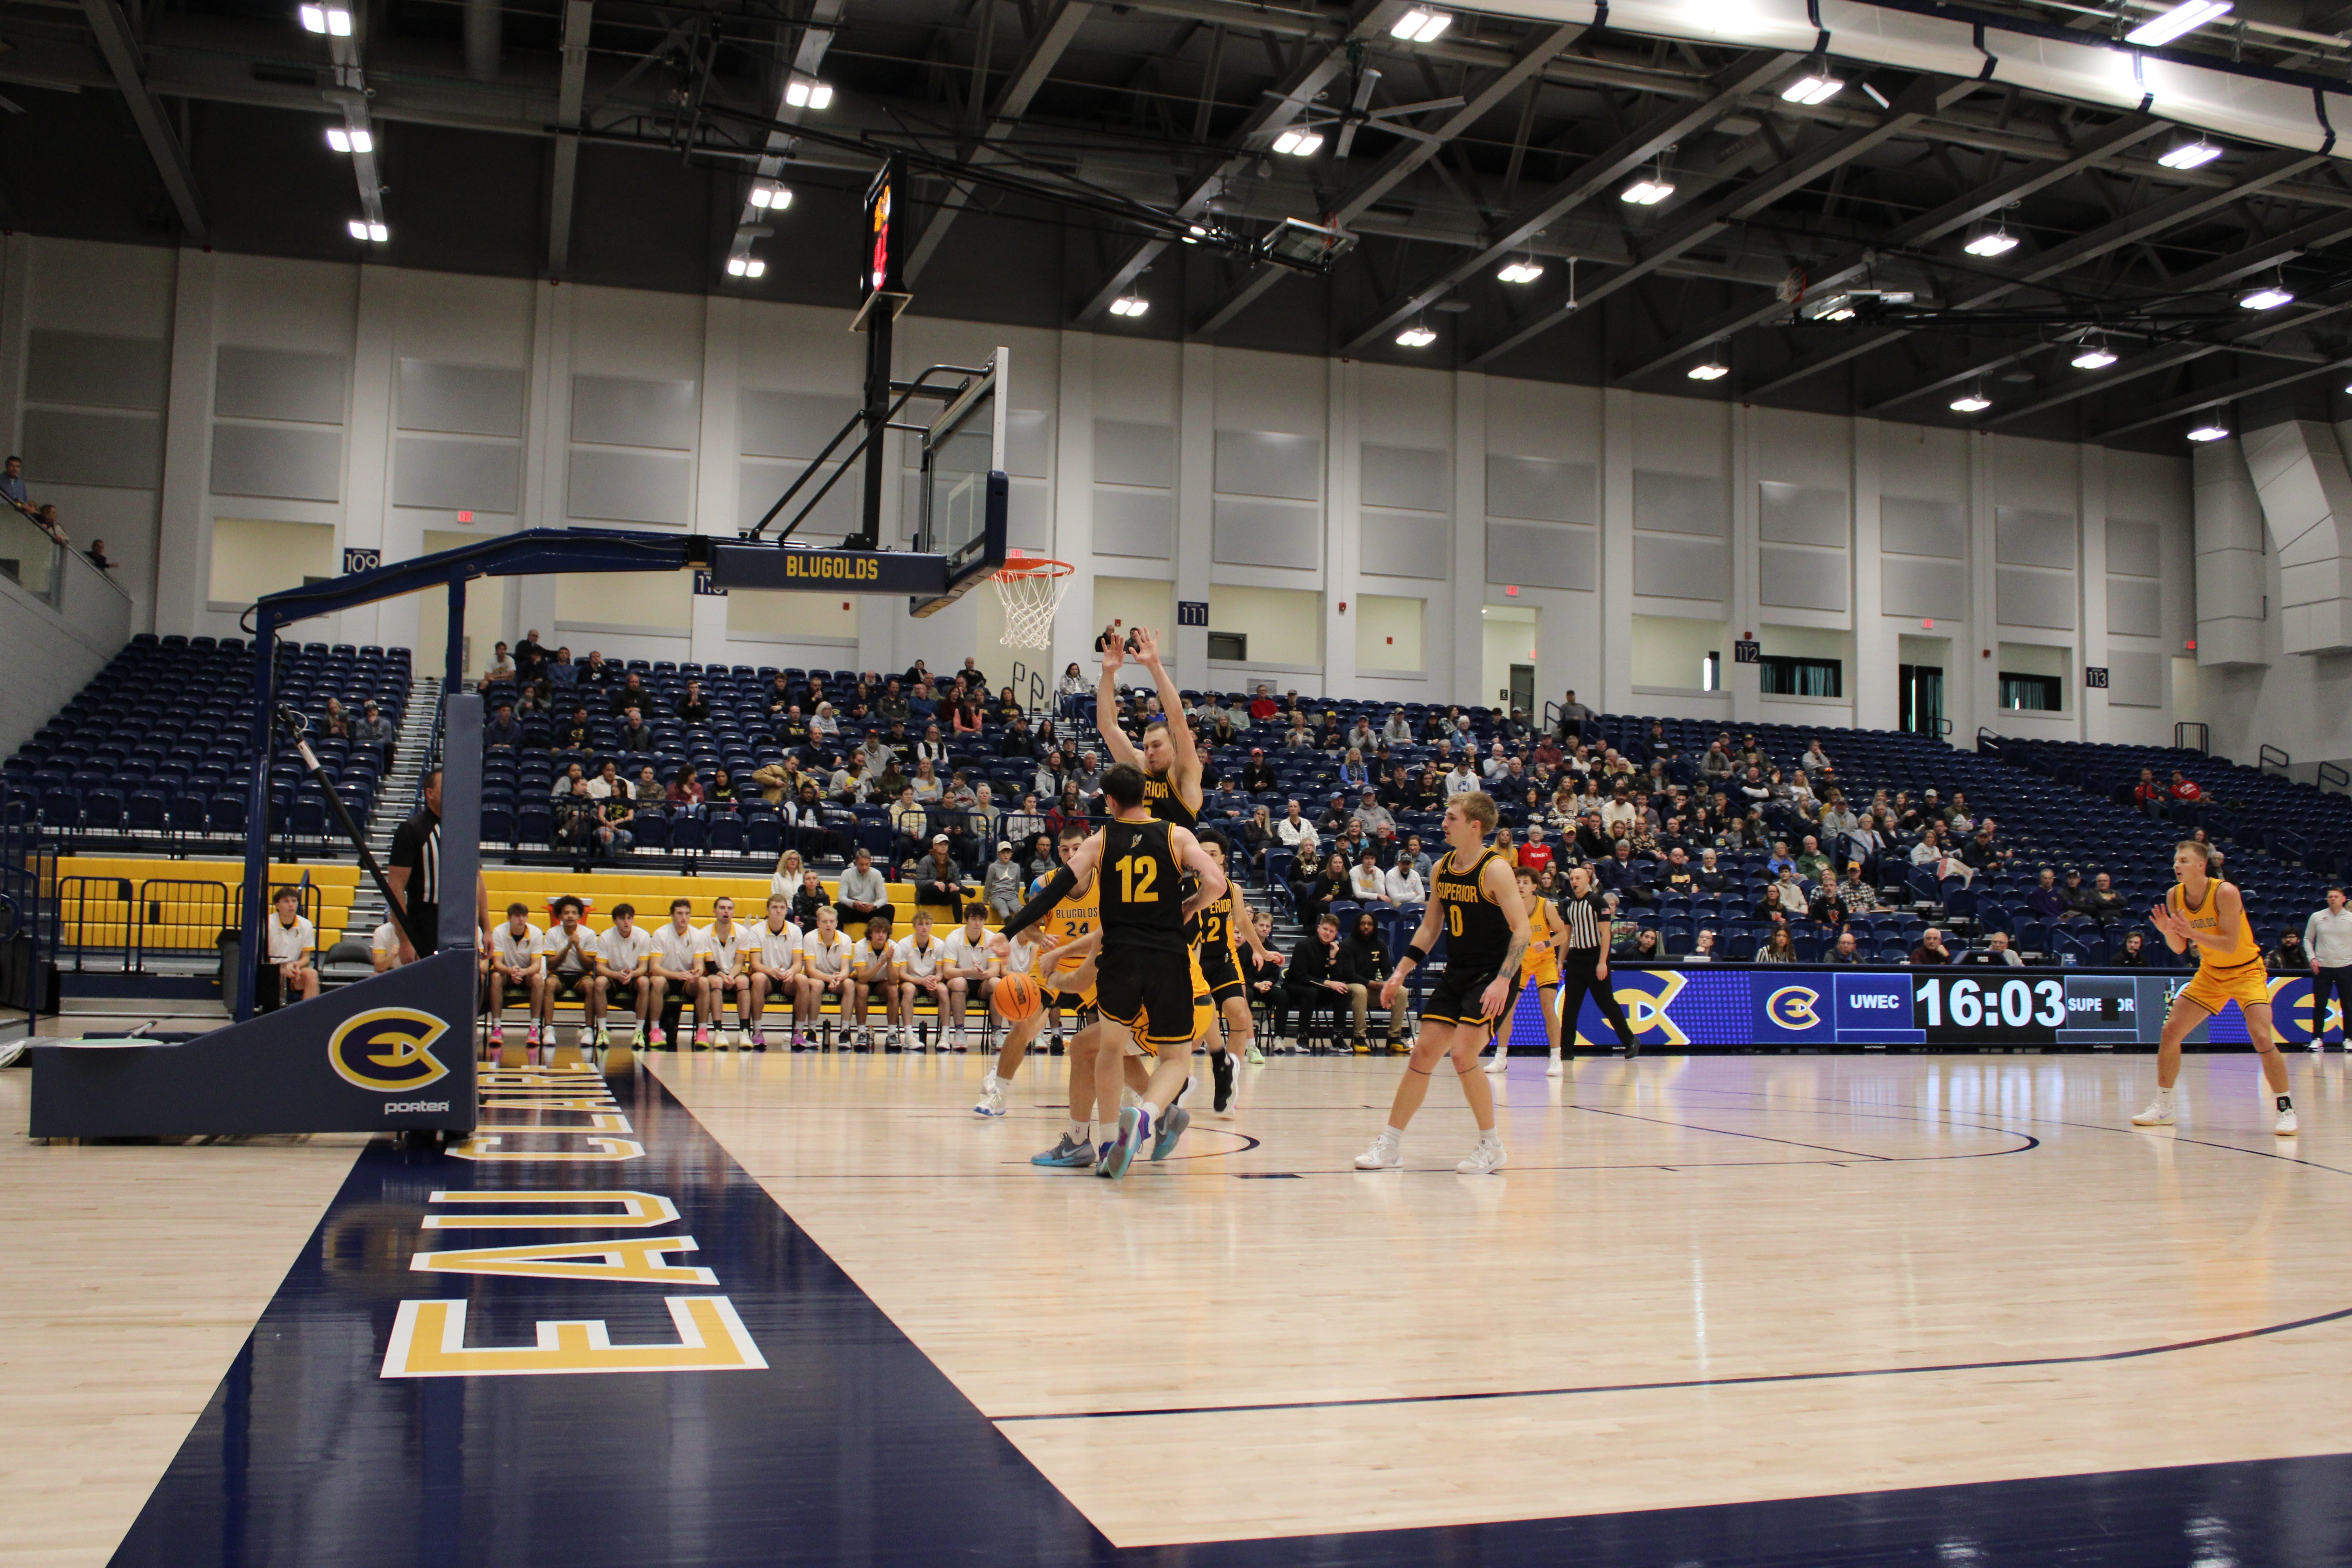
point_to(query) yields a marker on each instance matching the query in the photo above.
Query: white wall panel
(1790, 578)
(1268, 533)
(1666, 567)
(273, 461)
(1911, 526)
(2135, 549)
(1542, 490)
(1135, 522)
(1130, 452)
(628, 411)
(460, 399)
(1270, 463)
(2136, 679)
(2024, 598)
(2024, 537)
(630, 487)
(1681, 503)
(1405, 478)
(280, 383)
(772, 424)
(1800, 514)
(1543, 555)
(1403, 544)
(95, 370)
(758, 484)
(72, 447)
(456, 474)
(2136, 607)
(1936, 590)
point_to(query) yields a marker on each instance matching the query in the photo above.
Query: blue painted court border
(854, 1449)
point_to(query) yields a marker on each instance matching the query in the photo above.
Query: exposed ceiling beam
(1410, 155)
(1804, 165)
(570, 88)
(1280, 107)
(1036, 64)
(2129, 229)
(122, 52)
(808, 59)
(2270, 378)
(1595, 175)
(1961, 211)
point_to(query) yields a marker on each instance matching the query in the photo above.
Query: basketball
(1017, 997)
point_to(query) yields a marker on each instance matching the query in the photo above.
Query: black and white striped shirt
(1583, 916)
(416, 847)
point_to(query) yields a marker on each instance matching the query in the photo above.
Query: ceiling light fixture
(773, 198)
(804, 94)
(1298, 144)
(2194, 154)
(344, 140)
(1129, 305)
(1972, 401)
(745, 266)
(1998, 242)
(2269, 297)
(1816, 86)
(1710, 371)
(1646, 192)
(2184, 17)
(1419, 26)
(2096, 355)
(360, 228)
(2209, 432)
(332, 20)
(1416, 336)
(1522, 271)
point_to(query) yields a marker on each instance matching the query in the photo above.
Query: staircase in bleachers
(156, 754)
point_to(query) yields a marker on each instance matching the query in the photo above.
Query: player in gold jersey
(1540, 969)
(2207, 913)
(1226, 928)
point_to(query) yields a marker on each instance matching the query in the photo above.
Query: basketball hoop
(1031, 589)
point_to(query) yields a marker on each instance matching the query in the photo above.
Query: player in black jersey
(1474, 901)
(1145, 974)
(1226, 928)
(1168, 761)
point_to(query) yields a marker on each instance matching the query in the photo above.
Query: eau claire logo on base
(388, 1050)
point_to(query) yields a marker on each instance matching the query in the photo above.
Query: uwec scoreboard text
(1996, 1007)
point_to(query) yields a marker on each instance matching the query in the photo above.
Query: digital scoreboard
(1961, 1008)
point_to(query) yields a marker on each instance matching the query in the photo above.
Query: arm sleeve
(1056, 888)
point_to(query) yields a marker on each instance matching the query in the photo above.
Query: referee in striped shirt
(414, 874)
(1584, 963)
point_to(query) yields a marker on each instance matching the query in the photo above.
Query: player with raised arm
(1474, 899)
(775, 959)
(1169, 762)
(1147, 983)
(2207, 913)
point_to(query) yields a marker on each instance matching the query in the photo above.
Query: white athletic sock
(1080, 1132)
(1492, 1136)
(1106, 1132)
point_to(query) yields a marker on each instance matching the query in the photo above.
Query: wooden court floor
(1701, 1281)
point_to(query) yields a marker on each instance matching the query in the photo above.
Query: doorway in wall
(1523, 688)
(1921, 687)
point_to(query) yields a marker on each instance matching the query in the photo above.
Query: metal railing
(183, 917)
(2271, 757)
(31, 558)
(1989, 743)
(2330, 774)
(84, 902)
(2182, 731)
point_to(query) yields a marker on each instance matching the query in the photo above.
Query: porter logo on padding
(389, 1050)
(1791, 1007)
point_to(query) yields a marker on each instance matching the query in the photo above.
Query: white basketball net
(1030, 590)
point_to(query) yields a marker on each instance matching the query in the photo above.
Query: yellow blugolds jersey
(1075, 916)
(2208, 920)
(1216, 924)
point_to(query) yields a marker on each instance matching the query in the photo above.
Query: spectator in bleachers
(893, 703)
(502, 734)
(1535, 855)
(1316, 885)
(1398, 730)
(1365, 882)
(12, 486)
(1258, 777)
(98, 556)
(1051, 778)
(1626, 878)
(2149, 794)
(596, 674)
(1373, 818)
(685, 795)
(851, 784)
(932, 748)
(863, 896)
(2290, 954)
(1809, 860)
(562, 670)
(1930, 853)
(1574, 717)
(1752, 792)
(634, 735)
(572, 784)
(938, 878)
(1295, 832)
(803, 818)
(1088, 775)
(1297, 738)
(1930, 950)
(1023, 822)
(1403, 883)
(910, 825)
(46, 518)
(501, 668)
(371, 728)
(1780, 947)
(630, 694)
(606, 783)
(1017, 741)
(2048, 899)
(1783, 897)
(1844, 949)
(1068, 811)
(1003, 886)
(1837, 816)
(530, 656)
(824, 725)
(2184, 788)
(2133, 954)
(1715, 766)
(1815, 759)
(1779, 860)
(722, 792)
(1983, 851)
(927, 785)
(574, 733)
(338, 723)
(650, 790)
(1995, 952)
(1829, 906)
(1333, 821)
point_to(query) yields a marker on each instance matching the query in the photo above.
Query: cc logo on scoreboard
(1791, 1007)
